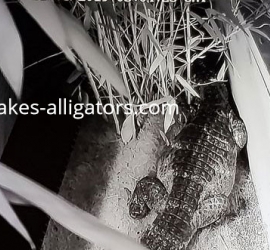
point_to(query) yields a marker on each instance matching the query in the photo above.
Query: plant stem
(188, 50)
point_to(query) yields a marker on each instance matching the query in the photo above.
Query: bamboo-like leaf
(187, 86)
(260, 32)
(194, 42)
(46, 15)
(74, 76)
(156, 102)
(154, 41)
(71, 217)
(128, 129)
(163, 68)
(143, 39)
(251, 95)
(225, 7)
(164, 137)
(168, 120)
(85, 97)
(87, 19)
(157, 62)
(171, 65)
(68, 33)
(90, 53)
(7, 212)
(14, 199)
(217, 31)
(204, 24)
(146, 17)
(11, 59)
(221, 72)
(219, 16)
(136, 57)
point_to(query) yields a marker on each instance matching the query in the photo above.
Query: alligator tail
(172, 229)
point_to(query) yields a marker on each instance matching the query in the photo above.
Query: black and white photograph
(134, 124)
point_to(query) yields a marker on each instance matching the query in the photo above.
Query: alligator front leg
(149, 194)
(210, 211)
(238, 129)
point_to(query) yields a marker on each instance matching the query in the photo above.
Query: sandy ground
(102, 169)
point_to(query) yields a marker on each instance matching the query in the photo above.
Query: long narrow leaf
(46, 15)
(168, 120)
(186, 85)
(156, 63)
(251, 93)
(156, 102)
(71, 217)
(7, 212)
(69, 34)
(204, 24)
(11, 59)
(89, 52)
(128, 129)
(225, 7)
(14, 199)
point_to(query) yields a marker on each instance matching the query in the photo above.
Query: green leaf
(11, 59)
(154, 41)
(168, 120)
(195, 41)
(204, 24)
(225, 7)
(164, 137)
(68, 33)
(128, 129)
(68, 215)
(156, 102)
(260, 32)
(187, 86)
(221, 72)
(250, 85)
(156, 63)
(171, 65)
(147, 18)
(87, 18)
(216, 29)
(7, 212)
(74, 76)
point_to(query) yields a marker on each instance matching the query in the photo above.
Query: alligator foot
(210, 211)
(149, 194)
(236, 205)
(238, 129)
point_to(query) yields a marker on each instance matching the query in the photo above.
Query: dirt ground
(102, 170)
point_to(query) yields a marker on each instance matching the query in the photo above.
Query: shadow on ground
(86, 178)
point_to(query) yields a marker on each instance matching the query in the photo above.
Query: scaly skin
(197, 173)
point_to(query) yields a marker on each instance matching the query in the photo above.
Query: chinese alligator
(195, 176)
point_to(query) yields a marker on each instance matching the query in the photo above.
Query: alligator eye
(138, 211)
